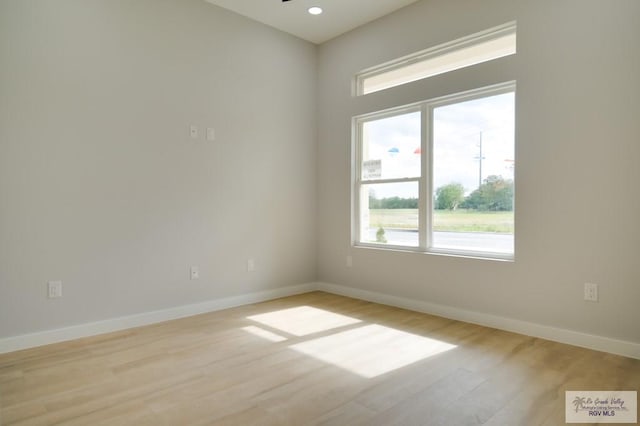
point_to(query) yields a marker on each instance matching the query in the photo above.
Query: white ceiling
(339, 16)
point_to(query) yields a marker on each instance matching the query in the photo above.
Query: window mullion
(423, 205)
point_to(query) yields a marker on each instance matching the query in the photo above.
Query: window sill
(475, 255)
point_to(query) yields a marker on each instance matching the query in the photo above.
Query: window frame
(425, 180)
(358, 123)
(508, 29)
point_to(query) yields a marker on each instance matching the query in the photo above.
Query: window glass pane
(391, 147)
(473, 175)
(389, 214)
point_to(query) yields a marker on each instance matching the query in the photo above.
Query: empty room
(306, 212)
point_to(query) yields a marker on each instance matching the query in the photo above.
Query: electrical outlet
(211, 134)
(195, 272)
(54, 289)
(251, 265)
(591, 292)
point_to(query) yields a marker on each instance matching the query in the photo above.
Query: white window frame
(500, 40)
(358, 123)
(425, 181)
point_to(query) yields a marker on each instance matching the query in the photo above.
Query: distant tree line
(392, 203)
(495, 194)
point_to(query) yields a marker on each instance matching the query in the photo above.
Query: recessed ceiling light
(315, 10)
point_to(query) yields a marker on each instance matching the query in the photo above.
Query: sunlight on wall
(265, 334)
(303, 320)
(372, 350)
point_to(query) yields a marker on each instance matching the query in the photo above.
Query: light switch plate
(54, 289)
(195, 272)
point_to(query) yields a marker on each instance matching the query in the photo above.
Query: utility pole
(480, 158)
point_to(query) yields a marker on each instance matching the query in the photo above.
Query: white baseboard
(589, 341)
(10, 344)
(599, 343)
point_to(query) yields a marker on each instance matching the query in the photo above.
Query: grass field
(445, 220)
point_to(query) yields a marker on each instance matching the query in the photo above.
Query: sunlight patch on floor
(372, 350)
(265, 334)
(303, 320)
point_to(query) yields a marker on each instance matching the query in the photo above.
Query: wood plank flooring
(313, 359)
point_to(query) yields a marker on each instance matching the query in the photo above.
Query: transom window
(476, 48)
(438, 176)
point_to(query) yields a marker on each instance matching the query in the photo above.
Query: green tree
(495, 194)
(380, 237)
(449, 197)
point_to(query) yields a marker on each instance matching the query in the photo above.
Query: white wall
(577, 175)
(100, 186)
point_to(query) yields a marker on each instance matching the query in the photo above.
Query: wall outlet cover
(591, 292)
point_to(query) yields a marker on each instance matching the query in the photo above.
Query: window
(474, 49)
(438, 176)
(390, 175)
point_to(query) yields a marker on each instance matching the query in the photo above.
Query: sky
(457, 129)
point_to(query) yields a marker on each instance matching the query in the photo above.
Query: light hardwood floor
(304, 360)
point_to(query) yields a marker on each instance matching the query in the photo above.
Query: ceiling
(339, 16)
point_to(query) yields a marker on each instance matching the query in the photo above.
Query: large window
(438, 176)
